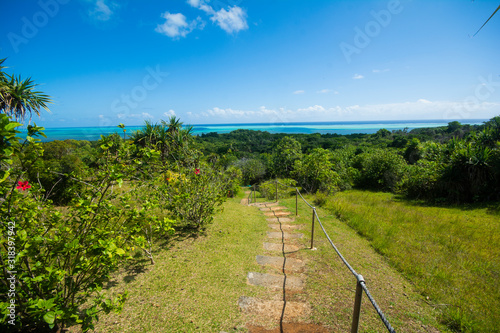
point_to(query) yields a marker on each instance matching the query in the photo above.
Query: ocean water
(345, 127)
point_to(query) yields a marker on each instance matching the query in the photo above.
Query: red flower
(23, 186)
(197, 172)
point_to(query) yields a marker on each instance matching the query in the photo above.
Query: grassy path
(196, 282)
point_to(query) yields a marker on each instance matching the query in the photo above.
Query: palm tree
(18, 98)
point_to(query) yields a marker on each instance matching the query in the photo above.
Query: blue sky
(106, 62)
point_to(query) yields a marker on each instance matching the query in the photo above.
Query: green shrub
(314, 172)
(268, 188)
(253, 170)
(380, 169)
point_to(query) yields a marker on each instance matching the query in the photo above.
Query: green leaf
(49, 318)
(120, 251)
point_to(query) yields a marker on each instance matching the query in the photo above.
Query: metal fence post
(312, 231)
(276, 190)
(296, 202)
(357, 304)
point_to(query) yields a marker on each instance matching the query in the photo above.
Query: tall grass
(452, 255)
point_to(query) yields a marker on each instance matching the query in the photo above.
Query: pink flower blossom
(23, 186)
(197, 172)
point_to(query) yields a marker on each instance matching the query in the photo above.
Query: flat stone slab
(264, 204)
(281, 219)
(275, 281)
(273, 309)
(275, 208)
(291, 265)
(285, 235)
(279, 247)
(286, 226)
(277, 214)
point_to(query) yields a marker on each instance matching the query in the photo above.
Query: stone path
(285, 284)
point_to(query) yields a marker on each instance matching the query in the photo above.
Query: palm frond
(487, 21)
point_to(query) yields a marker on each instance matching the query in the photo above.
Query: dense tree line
(454, 163)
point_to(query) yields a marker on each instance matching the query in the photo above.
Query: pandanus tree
(169, 138)
(18, 97)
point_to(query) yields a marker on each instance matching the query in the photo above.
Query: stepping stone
(291, 265)
(285, 235)
(286, 226)
(275, 281)
(277, 214)
(281, 219)
(264, 204)
(273, 309)
(277, 247)
(277, 208)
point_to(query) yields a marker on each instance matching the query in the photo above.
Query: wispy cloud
(299, 92)
(231, 20)
(169, 113)
(358, 77)
(327, 91)
(102, 10)
(381, 70)
(176, 25)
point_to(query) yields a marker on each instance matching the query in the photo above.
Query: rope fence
(360, 284)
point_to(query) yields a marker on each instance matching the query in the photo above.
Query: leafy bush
(59, 263)
(380, 169)
(284, 155)
(268, 188)
(253, 170)
(194, 194)
(314, 172)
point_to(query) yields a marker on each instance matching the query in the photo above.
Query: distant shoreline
(339, 127)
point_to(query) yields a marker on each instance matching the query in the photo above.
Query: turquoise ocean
(343, 128)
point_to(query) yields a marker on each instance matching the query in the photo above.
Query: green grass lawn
(451, 255)
(196, 282)
(330, 286)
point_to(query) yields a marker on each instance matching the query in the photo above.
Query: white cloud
(420, 109)
(232, 20)
(102, 11)
(169, 113)
(143, 115)
(316, 108)
(299, 92)
(327, 91)
(177, 26)
(358, 77)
